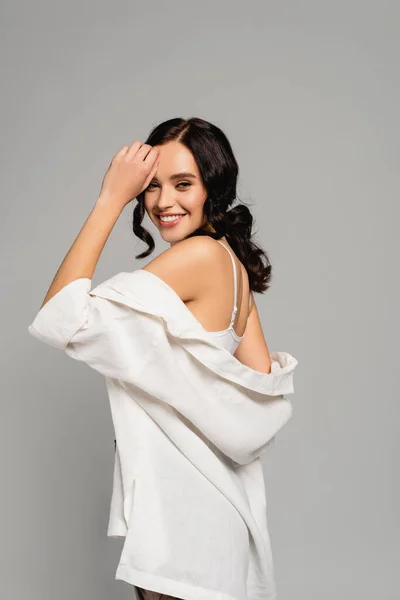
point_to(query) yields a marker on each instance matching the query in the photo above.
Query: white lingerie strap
(234, 285)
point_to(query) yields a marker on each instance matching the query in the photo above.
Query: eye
(186, 184)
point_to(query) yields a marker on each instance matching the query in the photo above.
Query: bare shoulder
(253, 350)
(185, 265)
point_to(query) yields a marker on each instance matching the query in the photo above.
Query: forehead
(174, 158)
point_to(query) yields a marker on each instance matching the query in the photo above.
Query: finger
(133, 148)
(144, 152)
(151, 174)
(122, 151)
(152, 156)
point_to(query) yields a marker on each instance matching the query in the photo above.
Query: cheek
(195, 203)
(148, 204)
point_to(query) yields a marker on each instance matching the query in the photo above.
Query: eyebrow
(180, 176)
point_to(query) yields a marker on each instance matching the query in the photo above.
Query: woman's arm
(253, 350)
(129, 173)
(82, 257)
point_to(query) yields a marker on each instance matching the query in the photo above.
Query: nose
(165, 201)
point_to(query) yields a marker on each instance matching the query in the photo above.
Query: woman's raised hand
(129, 173)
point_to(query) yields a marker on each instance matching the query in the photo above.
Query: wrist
(110, 204)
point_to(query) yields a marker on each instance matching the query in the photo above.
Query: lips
(176, 218)
(170, 214)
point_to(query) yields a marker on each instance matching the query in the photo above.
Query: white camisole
(228, 338)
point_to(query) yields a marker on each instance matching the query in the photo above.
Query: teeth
(170, 217)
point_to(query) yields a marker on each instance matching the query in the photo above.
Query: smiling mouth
(170, 218)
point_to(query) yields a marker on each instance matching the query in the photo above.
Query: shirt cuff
(62, 315)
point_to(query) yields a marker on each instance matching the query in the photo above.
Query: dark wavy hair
(219, 171)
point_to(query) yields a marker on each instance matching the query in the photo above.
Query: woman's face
(177, 192)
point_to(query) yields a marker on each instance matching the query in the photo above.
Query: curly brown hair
(219, 171)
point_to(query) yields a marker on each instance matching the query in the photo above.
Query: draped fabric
(191, 423)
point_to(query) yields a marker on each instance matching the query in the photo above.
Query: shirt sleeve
(98, 331)
(63, 315)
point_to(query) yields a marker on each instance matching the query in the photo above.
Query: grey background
(308, 94)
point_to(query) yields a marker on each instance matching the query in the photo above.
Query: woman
(184, 178)
(198, 269)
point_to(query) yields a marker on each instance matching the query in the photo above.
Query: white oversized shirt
(191, 422)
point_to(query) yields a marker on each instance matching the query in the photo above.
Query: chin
(173, 237)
